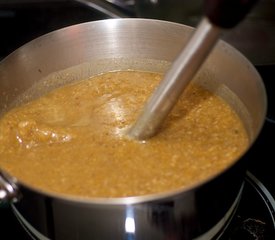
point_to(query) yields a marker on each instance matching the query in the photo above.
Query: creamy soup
(74, 139)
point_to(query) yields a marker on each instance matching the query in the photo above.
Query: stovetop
(22, 22)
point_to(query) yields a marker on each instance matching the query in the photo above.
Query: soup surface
(73, 140)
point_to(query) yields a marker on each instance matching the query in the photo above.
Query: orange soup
(74, 141)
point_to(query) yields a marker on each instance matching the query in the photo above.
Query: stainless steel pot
(199, 212)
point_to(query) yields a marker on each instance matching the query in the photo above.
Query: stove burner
(255, 217)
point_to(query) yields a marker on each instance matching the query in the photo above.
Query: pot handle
(227, 13)
(9, 191)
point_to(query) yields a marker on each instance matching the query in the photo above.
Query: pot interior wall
(129, 39)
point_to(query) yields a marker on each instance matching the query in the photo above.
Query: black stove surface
(254, 219)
